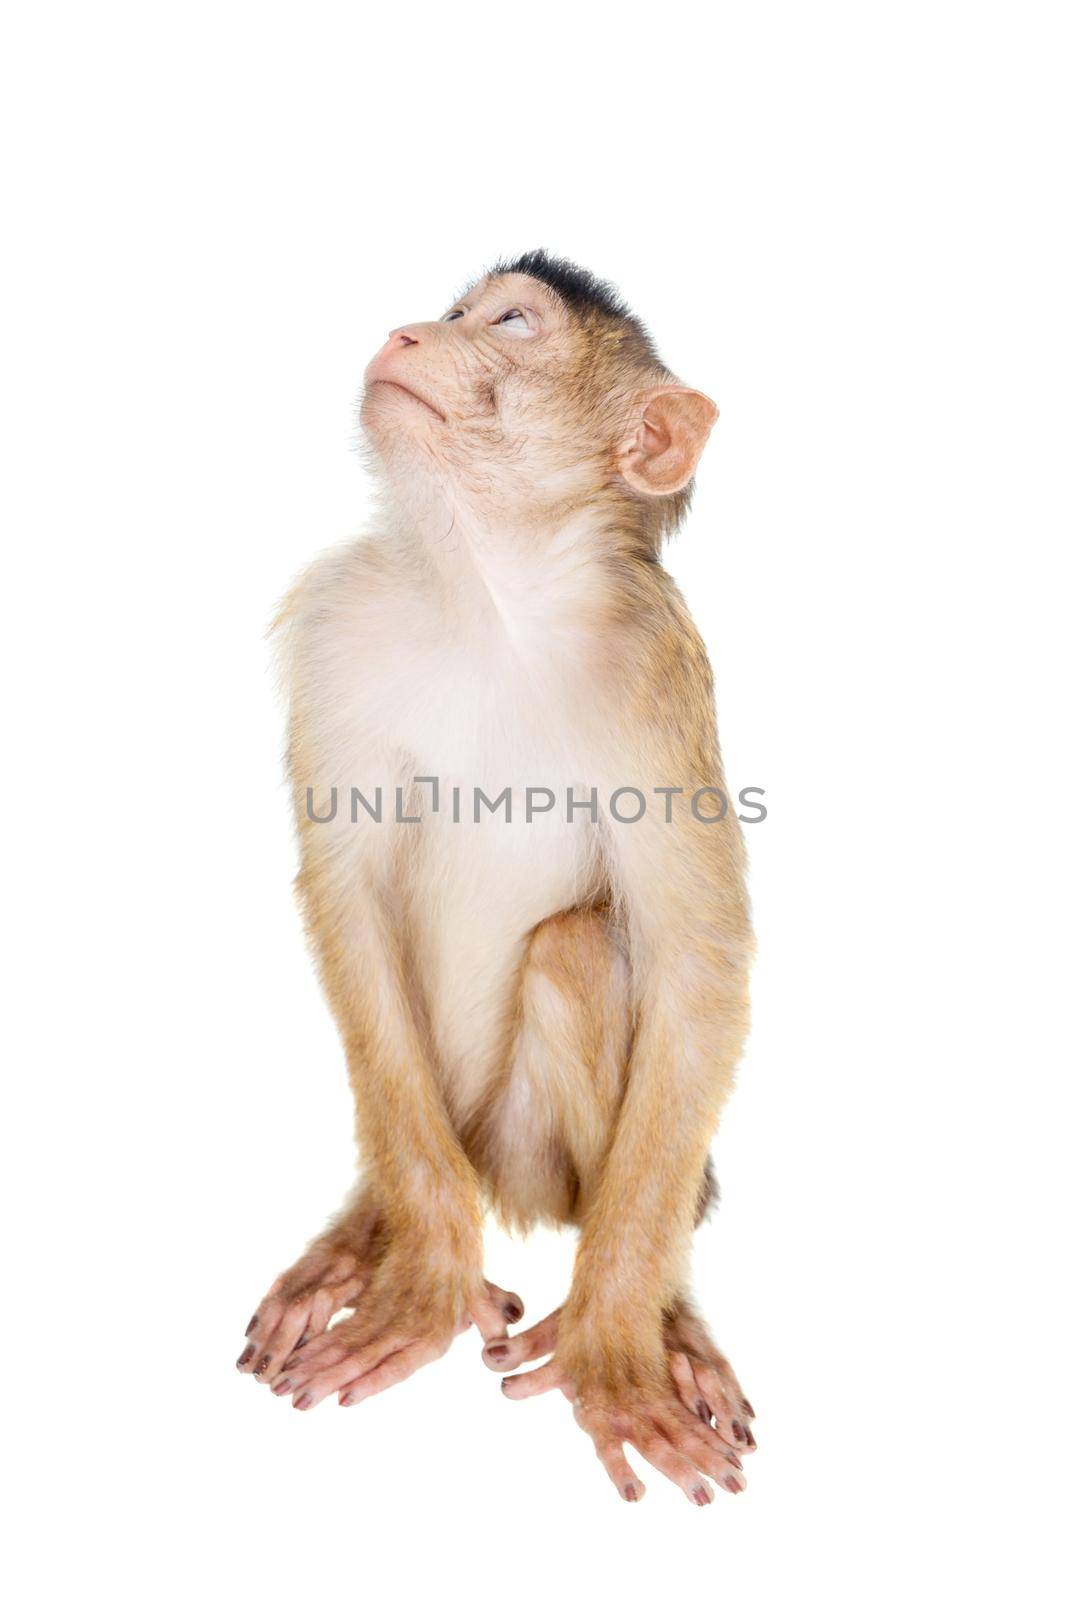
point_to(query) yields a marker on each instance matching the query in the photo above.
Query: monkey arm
(428, 1191)
(682, 889)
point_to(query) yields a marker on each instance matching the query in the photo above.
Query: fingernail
(739, 1433)
(345, 1400)
(511, 1311)
(243, 1360)
(703, 1411)
(750, 1437)
(303, 1403)
(732, 1484)
(255, 1320)
(701, 1497)
(263, 1365)
(283, 1388)
(749, 1408)
(631, 1491)
(496, 1351)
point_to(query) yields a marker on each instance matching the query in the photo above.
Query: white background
(840, 220)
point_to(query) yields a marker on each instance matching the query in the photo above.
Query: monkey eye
(452, 316)
(515, 321)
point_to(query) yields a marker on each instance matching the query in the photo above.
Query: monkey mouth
(391, 383)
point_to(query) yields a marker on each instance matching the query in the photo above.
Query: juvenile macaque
(541, 1011)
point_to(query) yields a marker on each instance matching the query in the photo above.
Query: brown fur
(622, 1015)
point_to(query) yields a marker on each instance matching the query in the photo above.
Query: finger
(673, 1465)
(319, 1353)
(390, 1371)
(524, 1384)
(282, 1342)
(503, 1355)
(259, 1332)
(331, 1298)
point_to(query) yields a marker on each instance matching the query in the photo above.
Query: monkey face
(522, 402)
(498, 395)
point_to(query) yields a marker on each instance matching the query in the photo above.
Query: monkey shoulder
(669, 679)
(349, 613)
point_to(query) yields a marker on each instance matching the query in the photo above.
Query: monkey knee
(709, 1195)
(575, 953)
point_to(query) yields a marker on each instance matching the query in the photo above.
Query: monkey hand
(300, 1303)
(407, 1317)
(665, 1403)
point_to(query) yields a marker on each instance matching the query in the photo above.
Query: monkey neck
(492, 567)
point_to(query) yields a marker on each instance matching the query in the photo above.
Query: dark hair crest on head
(577, 288)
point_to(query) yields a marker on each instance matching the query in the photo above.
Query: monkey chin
(389, 395)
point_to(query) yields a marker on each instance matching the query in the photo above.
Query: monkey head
(536, 393)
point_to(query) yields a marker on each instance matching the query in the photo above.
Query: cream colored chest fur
(477, 689)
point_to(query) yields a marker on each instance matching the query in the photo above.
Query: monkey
(541, 1013)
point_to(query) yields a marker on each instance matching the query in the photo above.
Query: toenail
(254, 1320)
(247, 1356)
(283, 1388)
(262, 1365)
(733, 1460)
(701, 1497)
(748, 1408)
(292, 1362)
(631, 1491)
(496, 1351)
(503, 1384)
(732, 1484)
(703, 1411)
(750, 1437)
(303, 1403)
(739, 1433)
(512, 1312)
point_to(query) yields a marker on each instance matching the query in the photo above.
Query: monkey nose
(400, 337)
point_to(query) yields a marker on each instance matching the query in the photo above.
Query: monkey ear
(669, 430)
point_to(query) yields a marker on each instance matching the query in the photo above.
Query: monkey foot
(382, 1344)
(705, 1381)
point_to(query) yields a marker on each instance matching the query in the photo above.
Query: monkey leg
(330, 1276)
(550, 1127)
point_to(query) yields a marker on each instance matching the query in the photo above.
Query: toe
(538, 1381)
(618, 1469)
(673, 1465)
(394, 1369)
(506, 1302)
(503, 1355)
(722, 1394)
